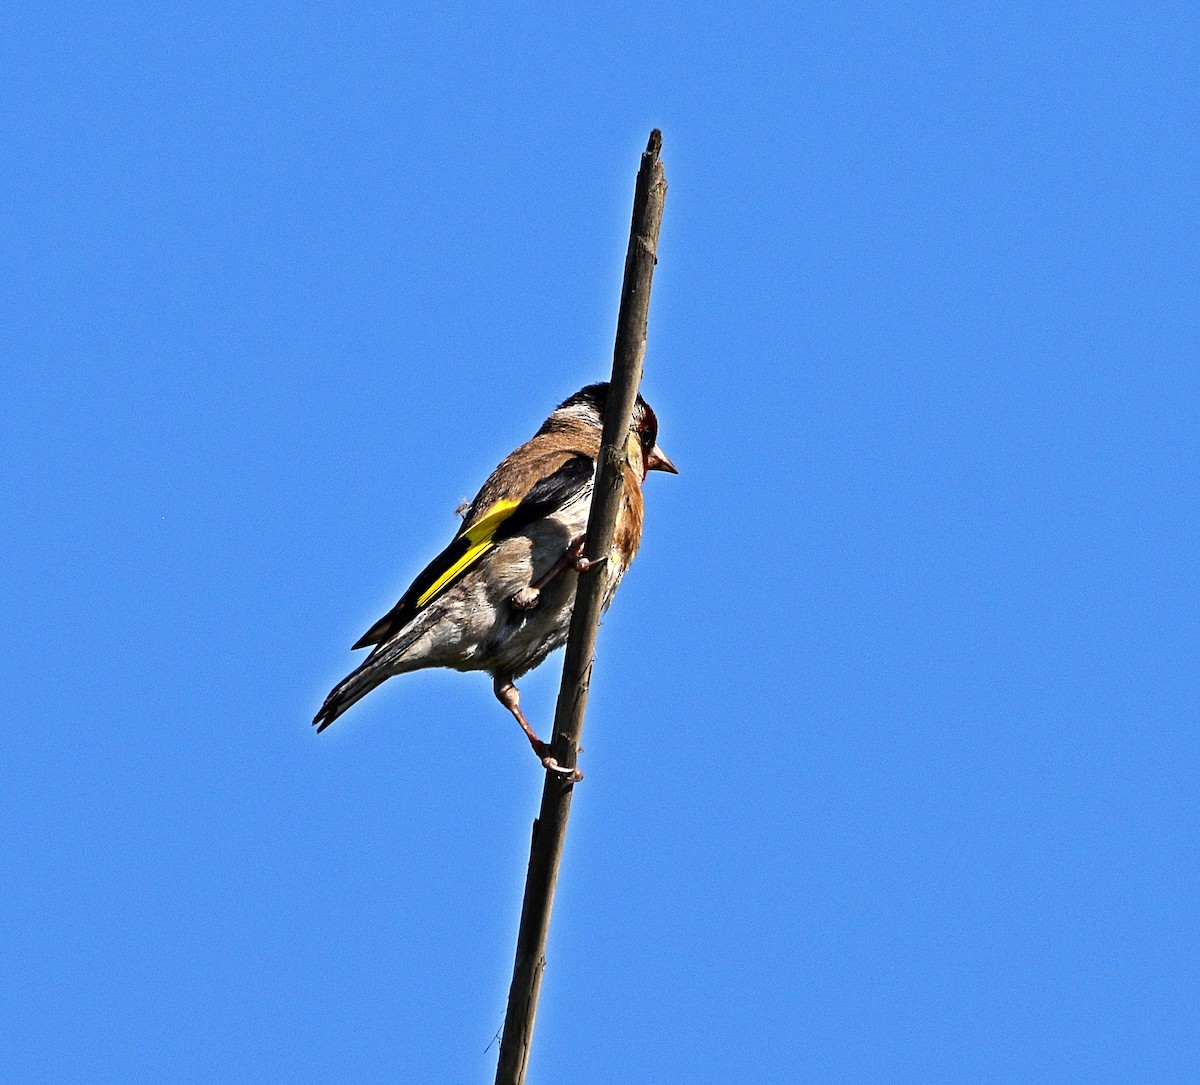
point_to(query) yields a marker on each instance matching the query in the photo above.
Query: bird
(499, 597)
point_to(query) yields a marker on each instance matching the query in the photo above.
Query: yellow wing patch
(479, 535)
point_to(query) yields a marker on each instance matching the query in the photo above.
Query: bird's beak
(657, 461)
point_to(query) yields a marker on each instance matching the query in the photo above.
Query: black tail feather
(385, 660)
(348, 691)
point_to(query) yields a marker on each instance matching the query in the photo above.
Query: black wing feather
(544, 498)
(549, 494)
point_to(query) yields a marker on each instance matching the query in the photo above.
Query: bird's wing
(480, 532)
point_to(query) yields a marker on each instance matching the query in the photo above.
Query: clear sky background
(892, 750)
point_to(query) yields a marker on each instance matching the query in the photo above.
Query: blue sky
(891, 754)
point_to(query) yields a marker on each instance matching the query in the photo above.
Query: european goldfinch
(499, 597)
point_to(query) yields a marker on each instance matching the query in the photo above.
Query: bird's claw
(572, 775)
(550, 762)
(576, 559)
(582, 564)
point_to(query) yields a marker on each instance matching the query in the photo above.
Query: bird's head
(645, 432)
(586, 407)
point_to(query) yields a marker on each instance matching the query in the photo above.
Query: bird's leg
(507, 695)
(572, 557)
(528, 598)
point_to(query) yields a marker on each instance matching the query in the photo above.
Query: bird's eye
(645, 425)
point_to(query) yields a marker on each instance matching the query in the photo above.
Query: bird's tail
(386, 660)
(354, 687)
